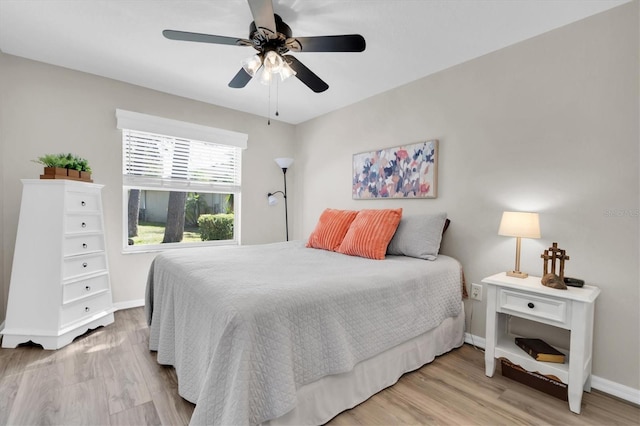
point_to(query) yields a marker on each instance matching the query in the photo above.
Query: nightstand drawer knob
(87, 309)
(531, 305)
(84, 245)
(84, 224)
(83, 203)
(85, 264)
(88, 288)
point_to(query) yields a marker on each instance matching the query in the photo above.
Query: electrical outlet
(476, 291)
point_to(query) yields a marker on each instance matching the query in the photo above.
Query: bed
(285, 334)
(297, 332)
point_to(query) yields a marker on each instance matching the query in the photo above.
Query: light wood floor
(109, 377)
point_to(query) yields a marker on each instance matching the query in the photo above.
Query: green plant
(83, 165)
(194, 207)
(67, 161)
(216, 226)
(228, 204)
(50, 160)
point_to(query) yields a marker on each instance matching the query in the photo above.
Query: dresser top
(61, 182)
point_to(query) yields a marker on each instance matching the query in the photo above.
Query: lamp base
(517, 274)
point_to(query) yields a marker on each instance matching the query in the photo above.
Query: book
(540, 350)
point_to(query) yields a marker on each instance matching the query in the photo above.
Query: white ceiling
(406, 40)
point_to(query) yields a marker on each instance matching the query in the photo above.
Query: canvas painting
(408, 171)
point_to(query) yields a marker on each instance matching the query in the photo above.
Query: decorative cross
(551, 254)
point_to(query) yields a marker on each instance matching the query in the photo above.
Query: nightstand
(570, 309)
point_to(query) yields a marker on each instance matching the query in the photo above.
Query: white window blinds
(153, 160)
(164, 153)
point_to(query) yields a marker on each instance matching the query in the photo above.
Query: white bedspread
(246, 326)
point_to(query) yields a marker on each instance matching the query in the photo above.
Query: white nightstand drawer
(84, 288)
(538, 307)
(84, 308)
(82, 202)
(83, 244)
(82, 223)
(82, 265)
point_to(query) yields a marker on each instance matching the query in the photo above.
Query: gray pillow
(418, 236)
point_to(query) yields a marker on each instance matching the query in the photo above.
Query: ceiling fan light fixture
(252, 64)
(265, 77)
(273, 62)
(286, 71)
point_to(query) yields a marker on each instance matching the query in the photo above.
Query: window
(181, 183)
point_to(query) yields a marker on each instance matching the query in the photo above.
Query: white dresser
(60, 278)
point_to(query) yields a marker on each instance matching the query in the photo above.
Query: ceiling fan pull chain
(269, 107)
(277, 96)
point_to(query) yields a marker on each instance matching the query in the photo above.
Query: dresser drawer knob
(88, 288)
(84, 224)
(84, 245)
(85, 264)
(82, 203)
(531, 305)
(87, 309)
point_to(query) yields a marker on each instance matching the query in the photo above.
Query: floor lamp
(284, 164)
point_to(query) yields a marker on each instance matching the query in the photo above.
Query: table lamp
(519, 225)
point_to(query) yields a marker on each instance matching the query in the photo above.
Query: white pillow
(418, 236)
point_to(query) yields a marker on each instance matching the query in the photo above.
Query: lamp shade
(520, 224)
(252, 64)
(284, 162)
(272, 200)
(286, 71)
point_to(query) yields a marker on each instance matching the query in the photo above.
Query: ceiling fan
(272, 38)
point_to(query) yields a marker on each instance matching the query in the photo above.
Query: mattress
(246, 327)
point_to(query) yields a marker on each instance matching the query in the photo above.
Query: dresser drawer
(81, 265)
(84, 288)
(82, 201)
(84, 308)
(83, 244)
(82, 223)
(533, 306)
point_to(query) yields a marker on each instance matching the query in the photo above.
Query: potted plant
(85, 169)
(71, 164)
(65, 166)
(53, 165)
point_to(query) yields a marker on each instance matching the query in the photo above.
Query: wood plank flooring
(109, 377)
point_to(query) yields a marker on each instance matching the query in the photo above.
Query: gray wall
(48, 109)
(547, 125)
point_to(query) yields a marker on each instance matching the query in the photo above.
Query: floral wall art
(408, 171)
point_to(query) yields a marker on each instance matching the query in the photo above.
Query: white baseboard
(616, 389)
(474, 340)
(128, 304)
(607, 386)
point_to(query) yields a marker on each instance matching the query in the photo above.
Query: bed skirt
(320, 401)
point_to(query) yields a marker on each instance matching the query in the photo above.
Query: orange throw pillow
(331, 229)
(370, 233)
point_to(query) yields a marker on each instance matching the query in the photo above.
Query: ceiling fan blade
(305, 75)
(262, 12)
(205, 38)
(333, 43)
(240, 80)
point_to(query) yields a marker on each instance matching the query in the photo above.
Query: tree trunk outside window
(174, 229)
(133, 212)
